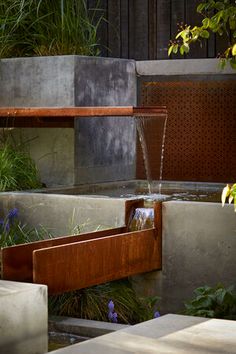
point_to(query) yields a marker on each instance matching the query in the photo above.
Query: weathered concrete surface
(105, 148)
(64, 214)
(42, 81)
(38, 81)
(23, 318)
(81, 327)
(198, 248)
(52, 149)
(168, 334)
(181, 67)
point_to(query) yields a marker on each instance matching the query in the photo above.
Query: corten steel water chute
(75, 262)
(13, 117)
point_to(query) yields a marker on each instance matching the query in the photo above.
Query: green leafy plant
(218, 17)
(217, 302)
(229, 193)
(92, 303)
(55, 27)
(17, 169)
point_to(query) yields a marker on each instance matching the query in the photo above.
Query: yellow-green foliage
(229, 193)
(218, 17)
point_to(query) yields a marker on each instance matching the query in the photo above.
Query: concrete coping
(181, 67)
(167, 334)
(82, 327)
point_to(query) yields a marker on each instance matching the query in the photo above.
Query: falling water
(140, 123)
(162, 154)
(140, 129)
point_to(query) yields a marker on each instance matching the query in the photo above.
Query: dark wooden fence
(141, 29)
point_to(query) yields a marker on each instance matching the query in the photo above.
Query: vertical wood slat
(193, 18)
(141, 29)
(163, 28)
(152, 29)
(114, 24)
(102, 32)
(138, 29)
(177, 16)
(124, 28)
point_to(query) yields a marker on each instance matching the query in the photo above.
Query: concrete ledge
(181, 67)
(167, 334)
(71, 211)
(81, 327)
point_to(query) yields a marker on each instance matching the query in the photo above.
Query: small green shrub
(17, 170)
(213, 302)
(92, 303)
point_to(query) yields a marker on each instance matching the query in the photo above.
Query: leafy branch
(218, 17)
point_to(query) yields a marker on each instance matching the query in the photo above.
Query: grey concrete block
(52, 149)
(199, 248)
(105, 144)
(37, 81)
(105, 147)
(23, 318)
(64, 214)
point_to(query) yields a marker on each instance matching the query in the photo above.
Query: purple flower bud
(110, 314)
(156, 314)
(12, 214)
(114, 317)
(111, 306)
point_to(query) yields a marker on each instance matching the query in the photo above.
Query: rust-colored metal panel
(201, 130)
(17, 261)
(64, 116)
(86, 263)
(73, 262)
(71, 112)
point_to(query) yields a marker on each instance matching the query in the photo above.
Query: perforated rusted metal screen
(201, 130)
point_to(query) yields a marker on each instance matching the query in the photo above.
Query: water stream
(162, 154)
(140, 126)
(140, 122)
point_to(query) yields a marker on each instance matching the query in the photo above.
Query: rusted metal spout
(72, 112)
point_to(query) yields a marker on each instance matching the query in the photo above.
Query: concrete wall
(23, 318)
(52, 149)
(64, 214)
(42, 81)
(198, 248)
(102, 149)
(105, 148)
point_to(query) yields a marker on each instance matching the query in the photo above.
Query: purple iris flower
(156, 314)
(13, 213)
(114, 317)
(111, 306)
